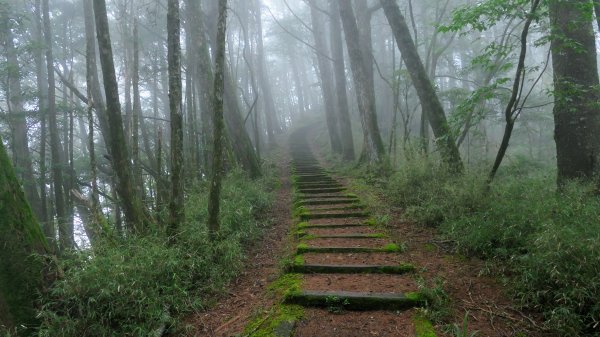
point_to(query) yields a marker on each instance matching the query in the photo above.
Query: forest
(299, 168)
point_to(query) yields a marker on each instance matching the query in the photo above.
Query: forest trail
(353, 279)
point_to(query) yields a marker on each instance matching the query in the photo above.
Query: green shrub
(135, 287)
(549, 240)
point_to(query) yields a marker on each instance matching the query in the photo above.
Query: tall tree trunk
(66, 240)
(20, 237)
(132, 206)
(430, 102)
(373, 149)
(576, 95)
(42, 85)
(176, 208)
(17, 117)
(337, 52)
(263, 78)
(137, 113)
(217, 168)
(326, 77)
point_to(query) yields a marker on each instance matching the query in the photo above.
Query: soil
(368, 283)
(320, 323)
(339, 242)
(353, 258)
(247, 293)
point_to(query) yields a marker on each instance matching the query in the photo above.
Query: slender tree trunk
(137, 113)
(263, 78)
(430, 102)
(576, 93)
(326, 77)
(373, 148)
(217, 168)
(42, 85)
(20, 237)
(132, 205)
(339, 70)
(176, 207)
(18, 121)
(66, 241)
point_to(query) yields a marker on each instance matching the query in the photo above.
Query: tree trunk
(373, 149)
(263, 78)
(217, 167)
(132, 205)
(22, 155)
(337, 52)
(20, 236)
(576, 95)
(326, 77)
(430, 102)
(176, 208)
(66, 240)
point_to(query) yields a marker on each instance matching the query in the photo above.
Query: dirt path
(246, 294)
(348, 276)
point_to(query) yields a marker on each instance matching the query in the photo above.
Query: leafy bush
(549, 239)
(141, 285)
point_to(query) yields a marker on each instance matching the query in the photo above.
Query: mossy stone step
(349, 269)
(359, 301)
(321, 190)
(336, 196)
(351, 207)
(309, 216)
(391, 248)
(344, 236)
(302, 186)
(328, 202)
(308, 225)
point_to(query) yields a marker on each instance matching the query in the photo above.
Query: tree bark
(339, 70)
(218, 122)
(18, 122)
(263, 78)
(20, 236)
(66, 240)
(430, 102)
(132, 206)
(373, 149)
(326, 77)
(576, 95)
(176, 207)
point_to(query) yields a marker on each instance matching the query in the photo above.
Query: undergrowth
(548, 239)
(142, 286)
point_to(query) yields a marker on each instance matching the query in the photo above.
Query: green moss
(308, 237)
(302, 224)
(392, 247)
(414, 296)
(351, 195)
(300, 212)
(377, 235)
(371, 221)
(429, 247)
(423, 327)
(267, 325)
(299, 260)
(287, 284)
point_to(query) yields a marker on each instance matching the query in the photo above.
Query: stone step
(333, 196)
(328, 202)
(321, 190)
(358, 301)
(349, 269)
(333, 225)
(346, 236)
(309, 216)
(303, 248)
(352, 207)
(302, 186)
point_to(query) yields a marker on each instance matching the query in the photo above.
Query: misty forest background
(141, 141)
